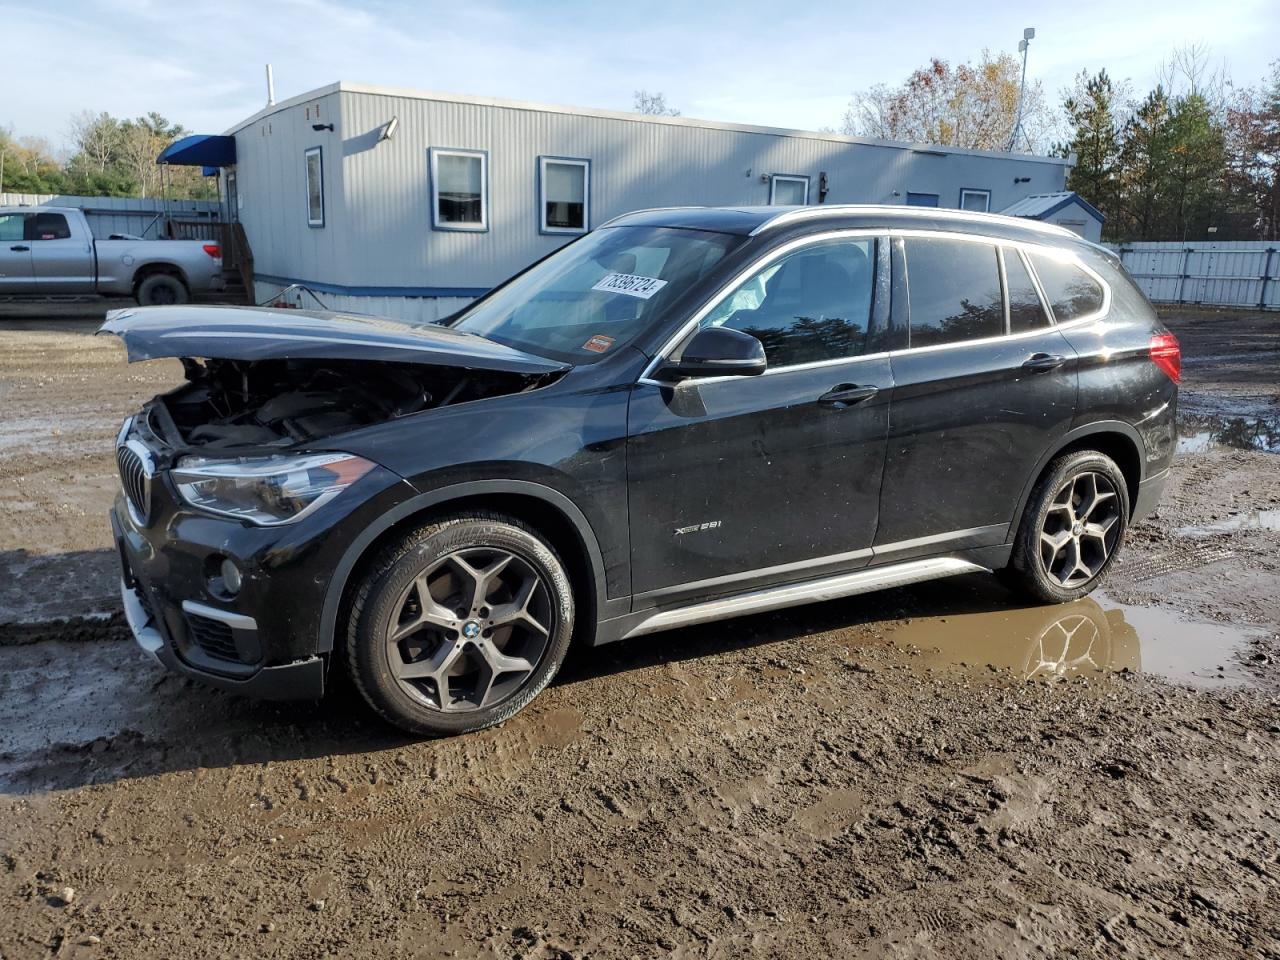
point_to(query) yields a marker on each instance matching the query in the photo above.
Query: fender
(1068, 438)
(554, 498)
(169, 266)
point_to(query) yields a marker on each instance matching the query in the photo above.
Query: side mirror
(719, 352)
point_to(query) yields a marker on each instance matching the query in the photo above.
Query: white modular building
(411, 204)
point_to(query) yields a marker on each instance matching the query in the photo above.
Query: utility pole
(1028, 35)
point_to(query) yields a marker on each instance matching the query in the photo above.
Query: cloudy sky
(760, 62)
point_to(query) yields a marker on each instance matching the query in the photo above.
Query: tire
(494, 626)
(161, 289)
(1073, 527)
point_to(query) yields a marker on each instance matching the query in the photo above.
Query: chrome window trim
(1004, 289)
(1045, 305)
(646, 377)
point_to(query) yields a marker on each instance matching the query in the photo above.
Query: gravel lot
(934, 771)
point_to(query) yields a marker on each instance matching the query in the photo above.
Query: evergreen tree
(1095, 140)
(1144, 155)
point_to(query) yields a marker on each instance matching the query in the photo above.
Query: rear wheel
(1073, 527)
(460, 625)
(161, 289)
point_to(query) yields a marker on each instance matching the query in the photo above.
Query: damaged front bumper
(301, 680)
(261, 637)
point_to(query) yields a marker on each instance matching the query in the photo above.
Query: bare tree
(1190, 71)
(969, 105)
(97, 138)
(654, 104)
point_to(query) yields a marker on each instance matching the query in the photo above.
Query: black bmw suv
(685, 415)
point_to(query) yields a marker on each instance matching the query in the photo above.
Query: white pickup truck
(50, 251)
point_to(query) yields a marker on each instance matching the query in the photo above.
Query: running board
(811, 591)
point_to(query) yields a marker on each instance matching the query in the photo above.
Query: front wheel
(1071, 530)
(460, 625)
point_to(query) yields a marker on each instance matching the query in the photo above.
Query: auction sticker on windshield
(632, 286)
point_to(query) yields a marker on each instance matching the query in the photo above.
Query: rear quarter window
(1071, 292)
(1025, 310)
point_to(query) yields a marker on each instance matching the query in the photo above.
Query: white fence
(1242, 273)
(108, 215)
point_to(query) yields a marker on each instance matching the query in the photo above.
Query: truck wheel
(161, 289)
(459, 625)
(1073, 527)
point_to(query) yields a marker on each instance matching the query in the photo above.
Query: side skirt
(784, 595)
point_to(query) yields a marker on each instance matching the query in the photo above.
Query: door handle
(1040, 362)
(846, 394)
(20, 248)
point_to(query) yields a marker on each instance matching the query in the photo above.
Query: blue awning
(201, 150)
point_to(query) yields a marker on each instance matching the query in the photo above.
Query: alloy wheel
(1080, 529)
(470, 629)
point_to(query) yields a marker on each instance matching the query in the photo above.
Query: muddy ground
(937, 771)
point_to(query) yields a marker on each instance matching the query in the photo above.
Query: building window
(922, 199)
(788, 190)
(979, 201)
(459, 189)
(315, 187)
(564, 195)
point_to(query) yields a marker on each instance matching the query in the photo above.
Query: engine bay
(234, 404)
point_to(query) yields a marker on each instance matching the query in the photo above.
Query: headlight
(266, 490)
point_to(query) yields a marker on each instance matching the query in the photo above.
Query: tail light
(213, 250)
(1166, 353)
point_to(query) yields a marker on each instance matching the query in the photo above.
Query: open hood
(253, 333)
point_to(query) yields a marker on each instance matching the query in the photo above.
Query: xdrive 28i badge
(696, 528)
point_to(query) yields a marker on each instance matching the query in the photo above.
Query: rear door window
(954, 290)
(1071, 292)
(813, 304)
(1026, 312)
(48, 226)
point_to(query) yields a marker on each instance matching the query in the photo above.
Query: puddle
(1202, 434)
(1092, 635)
(1256, 520)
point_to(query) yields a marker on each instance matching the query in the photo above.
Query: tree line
(1196, 157)
(108, 157)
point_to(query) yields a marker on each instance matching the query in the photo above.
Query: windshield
(596, 295)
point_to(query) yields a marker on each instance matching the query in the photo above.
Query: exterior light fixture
(389, 129)
(322, 126)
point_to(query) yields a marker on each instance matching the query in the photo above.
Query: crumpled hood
(254, 333)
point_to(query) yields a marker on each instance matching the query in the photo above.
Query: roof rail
(632, 213)
(897, 210)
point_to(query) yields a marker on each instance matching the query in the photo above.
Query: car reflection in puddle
(1199, 434)
(1089, 636)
